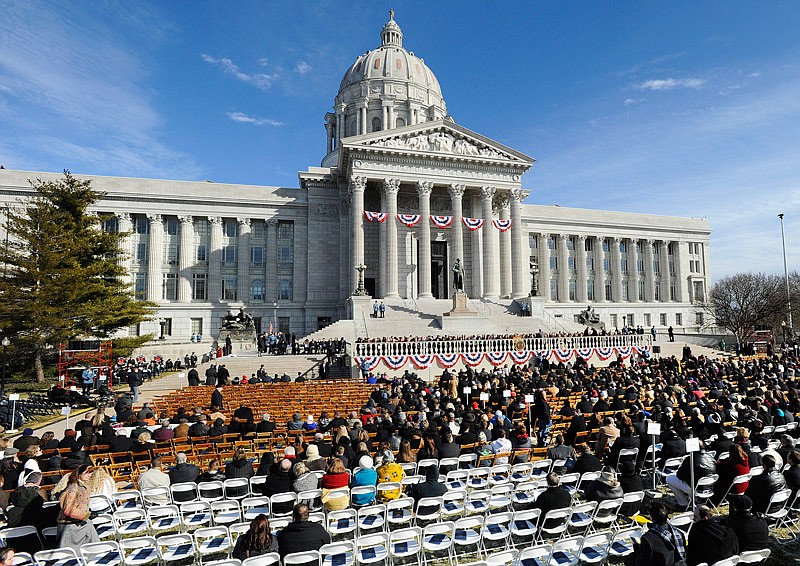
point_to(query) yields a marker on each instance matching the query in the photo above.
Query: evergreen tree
(62, 272)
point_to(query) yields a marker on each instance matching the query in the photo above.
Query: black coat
(704, 465)
(751, 531)
(211, 376)
(193, 377)
(553, 498)
(300, 536)
(277, 481)
(652, 551)
(184, 473)
(587, 463)
(216, 399)
(709, 542)
(764, 486)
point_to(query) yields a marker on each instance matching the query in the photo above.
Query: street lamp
(6, 343)
(783, 327)
(786, 276)
(275, 315)
(360, 290)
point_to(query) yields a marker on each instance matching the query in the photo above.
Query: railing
(474, 346)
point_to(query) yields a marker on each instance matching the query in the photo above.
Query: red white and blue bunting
(372, 216)
(441, 221)
(425, 361)
(502, 225)
(409, 219)
(473, 223)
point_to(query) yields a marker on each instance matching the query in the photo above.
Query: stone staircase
(247, 363)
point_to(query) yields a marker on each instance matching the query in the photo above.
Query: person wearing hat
(314, 461)
(751, 530)
(709, 539)
(389, 471)
(604, 487)
(27, 439)
(365, 476)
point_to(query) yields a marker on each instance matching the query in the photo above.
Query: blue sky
(679, 108)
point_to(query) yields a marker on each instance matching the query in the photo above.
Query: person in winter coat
(736, 464)
(709, 540)
(364, 477)
(278, 480)
(256, 541)
(704, 465)
(301, 534)
(751, 530)
(605, 487)
(431, 487)
(662, 544)
(763, 486)
(239, 466)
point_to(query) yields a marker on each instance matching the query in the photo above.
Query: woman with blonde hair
(74, 527)
(336, 477)
(101, 483)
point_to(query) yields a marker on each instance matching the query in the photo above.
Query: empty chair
(129, 499)
(554, 524)
(581, 518)
(22, 559)
(631, 504)
(211, 491)
(268, 559)
(57, 557)
(622, 543)
(467, 536)
(399, 513)
(478, 478)
(342, 524)
(567, 552)
(26, 537)
(177, 549)
(521, 472)
(372, 548)
(500, 474)
(540, 468)
(164, 519)
(453, 504)
(523, 495)
(428, 509)
(104, 553)
(477, 502)
(212, 542)
(305, 558)
(131, 523)
(338, 554)
(704, 490)
(505, 558)
(524, 525)
(754, 556)
(538, 555)
(595, 548)
(184, 492)
(252, 507)
(495, 532)
(105, 526)
(101, 504)
(437, 541)
(226, 512)
(467, 461)
(500, 498)
(371, 519)
(195, 515)
(570, 482)
(405, 544)
(138, 551)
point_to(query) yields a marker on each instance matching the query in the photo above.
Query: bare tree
(741, 302)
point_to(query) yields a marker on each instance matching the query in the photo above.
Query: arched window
(376, 124)
(285, 290)
(257, 290)
(400, 123)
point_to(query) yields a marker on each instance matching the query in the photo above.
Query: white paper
(467, 390)
(529, 398)
(13, 397)
(507, 393)
(693, 445)
(654, 428)
(65, 411)
(181, 375)
(484, 397)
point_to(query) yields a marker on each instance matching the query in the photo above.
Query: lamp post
(783, 327)
(534, 269)
(786, 276)
(275, 315)
(6, 343)
(360, 290)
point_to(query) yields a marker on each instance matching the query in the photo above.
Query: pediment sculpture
(440, 142)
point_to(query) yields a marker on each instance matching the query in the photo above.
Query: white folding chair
(732, 561)
(754, 556)
(338, 554)
(25, 537)
(477, 502)
(582, 516)
(236, 488)
(399, 513)
(371, 549)
(467, 461)
(101, 503)
(184, 492)
(500, 498)
(281, 504)
(57, 557)
(105, 526)
(226, 512)
(523, 496)
(495, 532)
(268, 559)
(238, 529)
(683, 521)
(606, 514)
(567, 552)
(521, 472)
(342, 524)
(777, 511)
(104, 553)
(363, 493)
(212, 542)
(131, 523)
(437, 541)
(371, 519)
(304, 558)
(252, 507)
(176, 548)
(523, 527)
(540, 468)
(428, 509)
(22, 559)
(554, 524)
(478, 479)
(538, 555)
(586, 478)
(255, 484)
(467, 536)
(312, 498)
(211, 491)
(196, 515)
(164, 519)
(622, 543)
(595, 548)
(160, 495)
(504, 558)
(139, 551)
(224, 562)
(626, 454)
(704, 490)
(128, 499)
(404, 544)
(453, 504)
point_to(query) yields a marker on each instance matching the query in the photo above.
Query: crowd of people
(406, 419)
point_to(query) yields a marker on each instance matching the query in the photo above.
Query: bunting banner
(496, 358)
(372, 216)
(624, 352)
(368, 363)
(441, 221)
(562, 356)
(409, 219)
(447, 360)
(502, 225)
(422, 361)
(395, 362)
(604, 353)
(585, 353)
(471, 359)
(520, 357)
(473, 223)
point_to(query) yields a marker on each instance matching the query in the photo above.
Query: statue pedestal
(241, 340)
(536, 305)
(460, 318)
(357, 304)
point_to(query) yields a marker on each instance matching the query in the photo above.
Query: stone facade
(288, 255)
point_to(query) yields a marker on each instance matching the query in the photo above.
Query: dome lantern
(391, 33)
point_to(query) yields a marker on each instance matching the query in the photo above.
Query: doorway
(439, 270)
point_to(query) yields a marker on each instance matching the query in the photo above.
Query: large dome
(386, 88)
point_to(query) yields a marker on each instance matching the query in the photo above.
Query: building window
(640, 266)
(647, 319)
(229, 255)
(167, 325)
(678, 319)
(623, 246)
(624, 265)
(590, 263)
(230, 227)
(229, 287)
(671, 267)
(134, 330)
(376, 124)
(630, 320)
(699, 296)
(201, 227)
(283, 324)
(655, 267)
(285, 289)
(554, 289)
(258, 229)
(140, 286)
(671, 248)
(142, 225)
(532, 244)
(613, 321)
(202, 253)
(590, 290)
(197, 327)
(286, 230)
(698, 318)
(572, 293)
(638, 251)
(657, 291)
(257, 290)
(609, 294)
(606, 264)
(570, 243)
(111, 225)
(553, 262)
(285, 254)
(199, 286)
(169, 287)
(173, 252)
(551, 243)
(588, 245)
(171, 226)
(625, 296)
(141, 253)
(571, 263)
(256, 256)
(605, 245)
(662, 319)
(641, 291)
(672, 294)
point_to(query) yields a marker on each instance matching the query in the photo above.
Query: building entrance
(439, 270)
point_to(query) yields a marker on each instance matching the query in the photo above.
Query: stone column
(520, 276)
(563, 268)
(243, 261)
(633, 271)
(681, 285)
(155, 257)
(489, 251)
(504, 241)
(544, 266)
(357, 187)
(475, 284)
(380, 270)
(271, 262)
(215, 260)
(649, 273)
(390, 118)
(599, 271)
(581, 275)
(616, 270)
(125, 226)
(340, 120)
(185, 259)
(391, 187)
(663, 258)
(457, 228)
(424, 189)
(361, 118)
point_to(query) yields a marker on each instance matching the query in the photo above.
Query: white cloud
(632, 101)
(302, 67)
(255, 120)
(670, 84)
(260, 80)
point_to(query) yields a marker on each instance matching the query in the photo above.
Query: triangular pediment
(441, 138)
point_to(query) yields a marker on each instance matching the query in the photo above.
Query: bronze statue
(458, 276)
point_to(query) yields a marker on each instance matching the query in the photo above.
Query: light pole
(6, 343)
(786, 276)
(275, 315)
(783, 327)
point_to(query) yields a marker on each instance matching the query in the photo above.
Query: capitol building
(405, 190)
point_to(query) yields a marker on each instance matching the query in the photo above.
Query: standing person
(193, 377)
(541, 410)
(671, 334)
(653, 332)
(216, 397)
(74, 527)
(211, 375)
(375, 309)
(256, 541)
(134, 382)
(383, 310)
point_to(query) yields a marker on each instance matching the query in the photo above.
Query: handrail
(504, 344)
